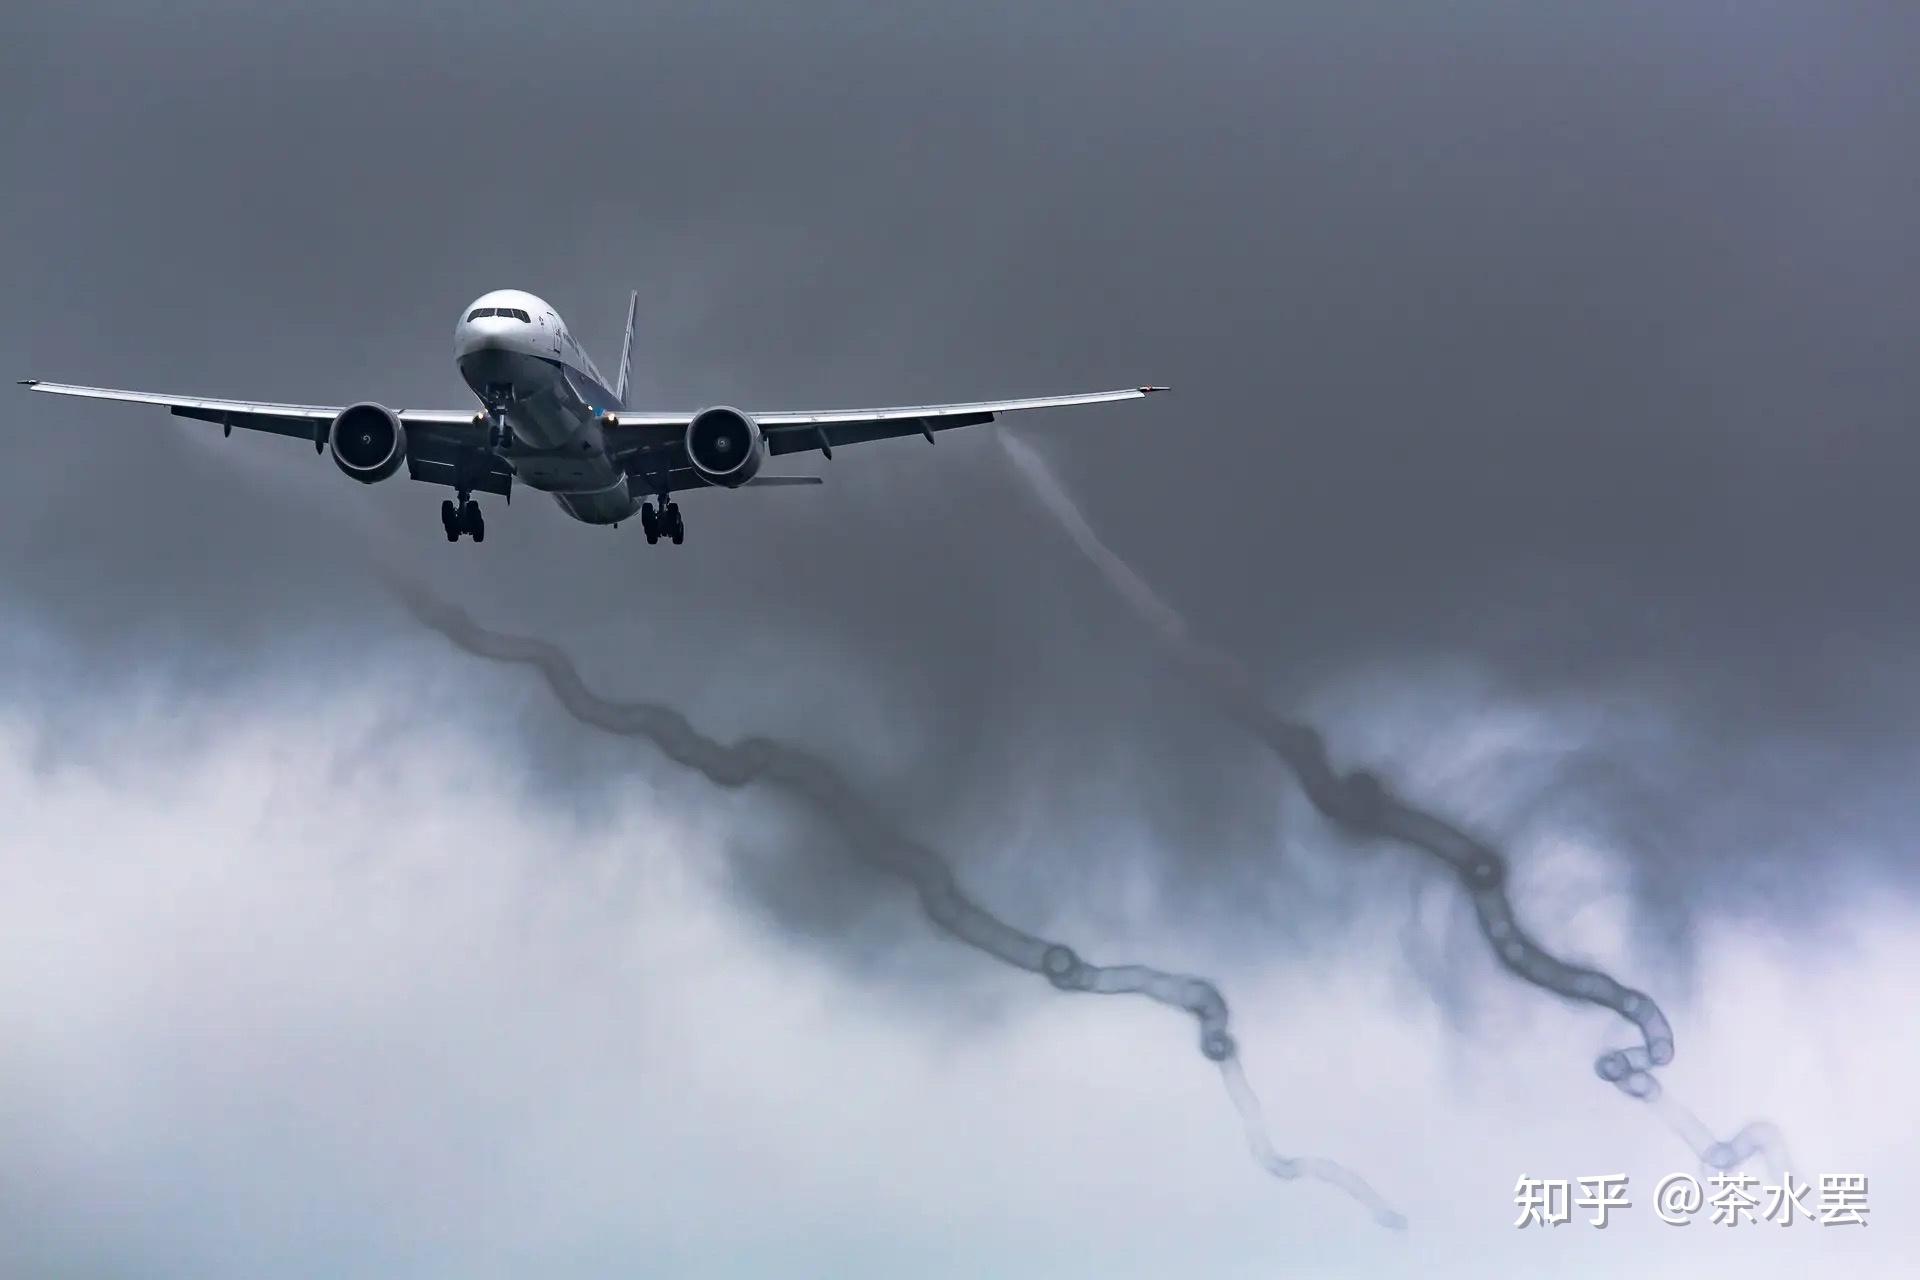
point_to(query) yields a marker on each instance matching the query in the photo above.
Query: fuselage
(518, 356)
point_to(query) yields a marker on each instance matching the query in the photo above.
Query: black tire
(675, 525)
(650, 522)
(453, 534)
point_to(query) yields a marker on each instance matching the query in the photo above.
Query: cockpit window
(505, 313)
(517, 314)
(478, 312)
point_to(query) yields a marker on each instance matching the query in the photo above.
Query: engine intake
(725, 446)
(369, 441)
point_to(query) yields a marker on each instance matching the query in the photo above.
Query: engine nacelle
(725, 446)
(369, 441)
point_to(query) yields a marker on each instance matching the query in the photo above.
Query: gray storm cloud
(1593, 327)
(806, 775)
(1362, 805)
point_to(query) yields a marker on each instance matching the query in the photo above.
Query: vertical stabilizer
(626, 351)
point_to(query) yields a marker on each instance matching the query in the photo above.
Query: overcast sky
(1545, 428)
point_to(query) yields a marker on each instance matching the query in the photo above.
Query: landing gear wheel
(472, 523)
(650, 523)
(450, 520)
(676, 527)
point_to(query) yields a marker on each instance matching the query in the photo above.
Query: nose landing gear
(462, 518)
(493, 416)
(499, 433)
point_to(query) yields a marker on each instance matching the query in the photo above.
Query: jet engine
(725, 446)
(369, 442)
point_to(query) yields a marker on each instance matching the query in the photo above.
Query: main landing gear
(666, 520)
(464, 518)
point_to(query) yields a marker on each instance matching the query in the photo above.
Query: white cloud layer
(308, 987)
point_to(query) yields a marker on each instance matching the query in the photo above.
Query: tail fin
(626, 350)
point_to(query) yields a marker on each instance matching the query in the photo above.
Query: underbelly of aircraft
(556, 447)
(607, 506)
(559, 472)
(587, 485)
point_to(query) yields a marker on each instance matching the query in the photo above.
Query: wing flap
(828, 436)
(298, 428)
(447, 471)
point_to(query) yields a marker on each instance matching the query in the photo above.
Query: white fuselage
(519, 358)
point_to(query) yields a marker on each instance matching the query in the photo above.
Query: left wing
(437, 439)
(794, 432)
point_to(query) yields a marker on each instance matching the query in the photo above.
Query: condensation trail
(805, 775)
(1362, 805)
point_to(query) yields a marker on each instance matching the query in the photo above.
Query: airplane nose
(481, 337)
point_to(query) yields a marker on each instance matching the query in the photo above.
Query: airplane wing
(798, 432)
(654, 443)
(649, 444)
(435, 437)
(255, 415)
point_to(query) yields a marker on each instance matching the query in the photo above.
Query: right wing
(436, 438)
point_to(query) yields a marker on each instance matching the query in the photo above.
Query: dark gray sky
(1548, 366)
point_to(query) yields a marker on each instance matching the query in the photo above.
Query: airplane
(548, 420)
